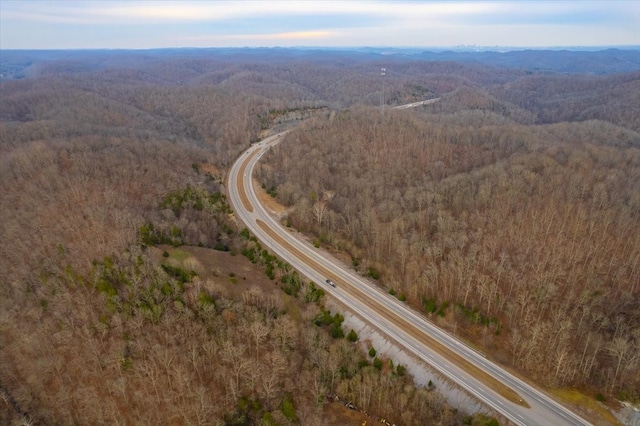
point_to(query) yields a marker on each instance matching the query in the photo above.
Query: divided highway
(516, 400)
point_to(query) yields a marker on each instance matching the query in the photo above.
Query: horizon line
(467, 48)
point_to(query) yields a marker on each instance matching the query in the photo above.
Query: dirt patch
(211, 169)
(338, 414)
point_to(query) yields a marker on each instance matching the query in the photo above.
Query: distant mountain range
(15, 64)
(564, 61)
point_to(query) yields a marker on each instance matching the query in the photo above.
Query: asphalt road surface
(415, 104)
(516, 400)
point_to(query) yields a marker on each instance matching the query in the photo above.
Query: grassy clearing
(577, 398)
(177, 254)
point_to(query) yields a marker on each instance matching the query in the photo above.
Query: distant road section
(513, 398)
(416, 104)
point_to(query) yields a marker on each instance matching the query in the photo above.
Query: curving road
(516, 400)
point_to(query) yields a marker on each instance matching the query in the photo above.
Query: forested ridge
(508, 210)
(523, 238)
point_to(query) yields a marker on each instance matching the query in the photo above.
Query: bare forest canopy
(509, 210)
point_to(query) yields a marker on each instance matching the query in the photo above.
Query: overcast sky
(30, 24)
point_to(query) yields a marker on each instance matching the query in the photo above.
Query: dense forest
(509, 210)
(521, 235)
